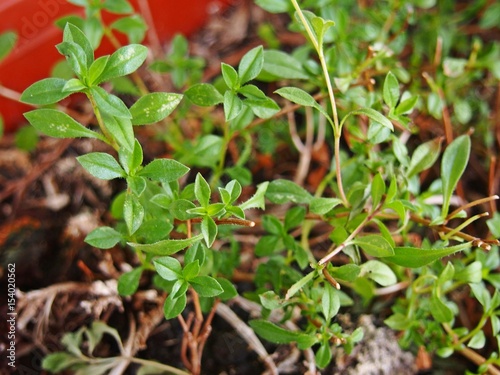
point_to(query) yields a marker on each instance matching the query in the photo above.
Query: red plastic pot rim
(34, 54)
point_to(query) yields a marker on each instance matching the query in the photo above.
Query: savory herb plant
(371, 200)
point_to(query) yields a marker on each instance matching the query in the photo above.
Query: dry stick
(491, 182)
(306, 153)
(154, 40)
(255, 309)
(472, 204)
(320, 137)
(184, 344)
(127, 350)
(248, 335)
(485, 244)
(469, 353)
(207, 327)
(292, 127)
(9, 94)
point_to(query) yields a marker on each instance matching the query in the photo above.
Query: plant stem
(337, 128)
(100, 121)
(354, 233)
(160, 366)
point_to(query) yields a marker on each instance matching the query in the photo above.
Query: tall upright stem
(337, 128)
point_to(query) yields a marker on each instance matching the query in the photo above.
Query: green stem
(100, 121)
(222, 157)
(337, 129)
(349, 239)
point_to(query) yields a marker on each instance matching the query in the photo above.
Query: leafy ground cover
(312, 192)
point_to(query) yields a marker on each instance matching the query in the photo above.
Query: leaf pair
(240, 94)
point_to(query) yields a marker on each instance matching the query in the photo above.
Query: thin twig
(248, 335)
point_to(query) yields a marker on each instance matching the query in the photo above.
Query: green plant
(373, 206)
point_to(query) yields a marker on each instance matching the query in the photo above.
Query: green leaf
(298, 96)
(446, 274)
(274, 6)
(414, 257)
(439, 310)
(229, 289)
(76, 58)
(136, 184)
(473, 273)
(348, 272)
(129, 282)
(121, 129)
(101, 165)
(494, 225)
(320, 27)
(180, 207)
(206, 286)
(374, 245)
(374, 116)
(168, 268)
(154, 107)
(173, 307)
(179, 288)
(377, 190)
(323, 355)
(234, 189)
(163, 170)
(133, 213)
(133, 26)
(75, 35)
(272, 333)
(391, 90)
(232, 105)
(46, 91)
(109, 104)
(455, 159)
(124, 61)
(300, 284)
(191, 270)
(285, 191)
(59, 361)
(322, 206)
(330, 302)
(8, 40)
(267, 245)
(230, 76)
(118, 6)
(26, 138)
(280, 65)
(58, 124)
(258, 199)
(209, 230)
(379, 272)
(202, 190)
(263, 108)
(477, 341)
(251, 64)
(165, 247)
(103, 238)
(294, 217)
(94, 30)
(424, 156)
(74, 85)
(406, 106)
(482, 294)
(204, 95)
(398, 321)
(131, 161)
